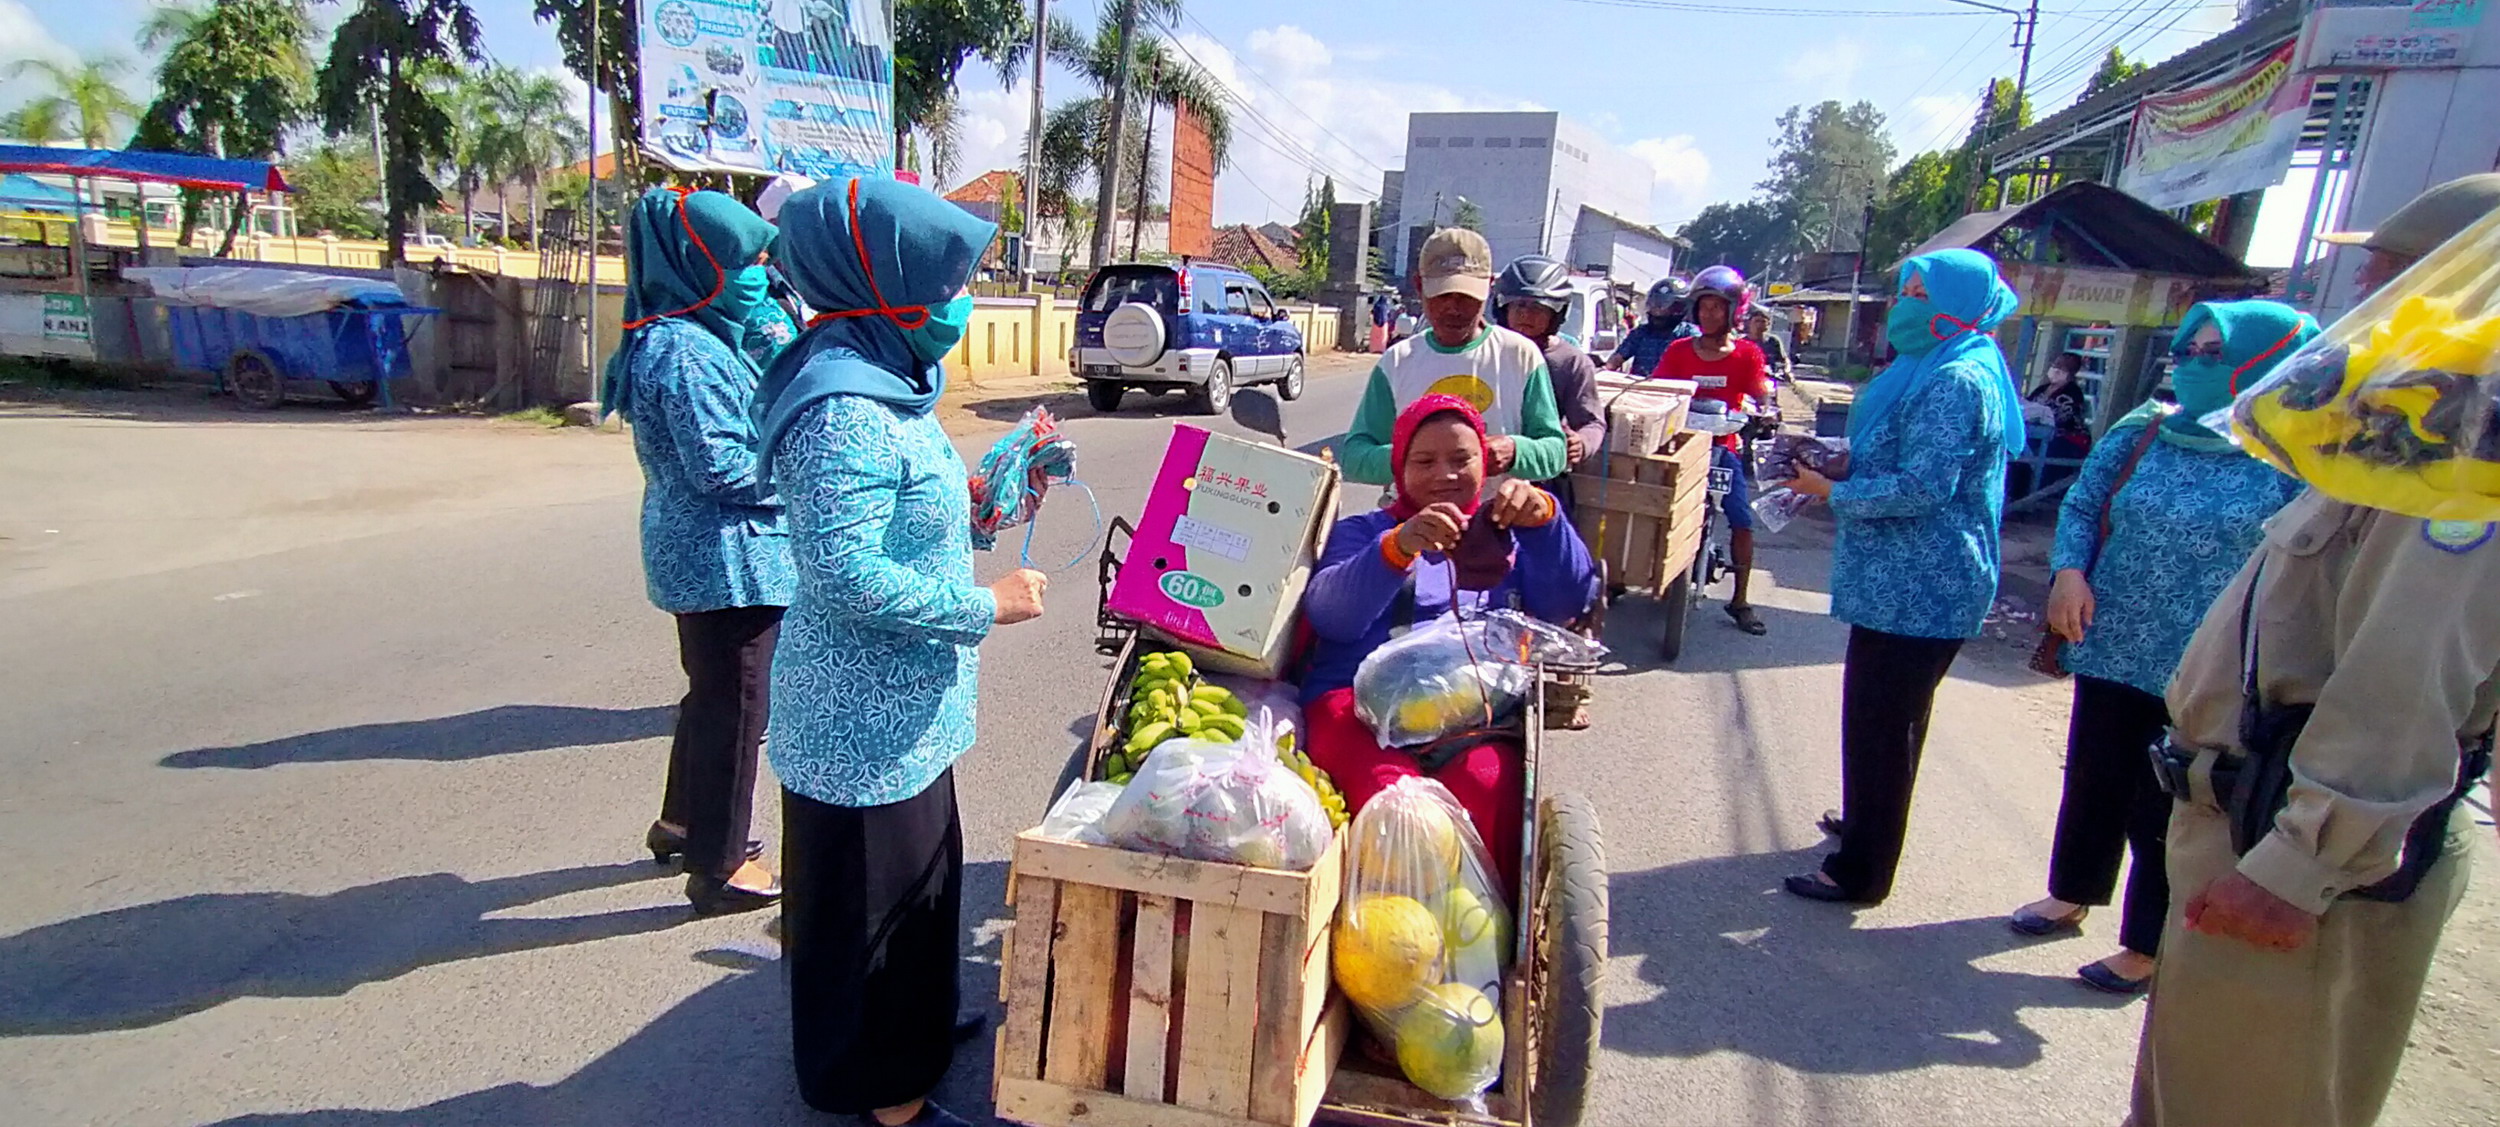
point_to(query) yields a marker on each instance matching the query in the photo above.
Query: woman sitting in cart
(1390, 569)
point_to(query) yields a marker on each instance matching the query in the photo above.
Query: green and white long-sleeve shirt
(1501, 372)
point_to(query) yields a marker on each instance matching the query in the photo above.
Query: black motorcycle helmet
(1534, 277)
(1670, 299)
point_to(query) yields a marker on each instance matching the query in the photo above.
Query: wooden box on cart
(1152, 991)
(1642, 514)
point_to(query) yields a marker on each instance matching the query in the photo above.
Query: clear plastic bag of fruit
(1231, 801)
(1078, 814)
(1457, 674)
(1422, 938)
(2397, 404)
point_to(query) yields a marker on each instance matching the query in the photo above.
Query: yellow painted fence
(1000, 342)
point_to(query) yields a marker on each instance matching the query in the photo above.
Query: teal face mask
(942, 331)
(2203, 385)
(1907, 325)
(746, 297)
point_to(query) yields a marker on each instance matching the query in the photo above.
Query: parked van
(1198, 327)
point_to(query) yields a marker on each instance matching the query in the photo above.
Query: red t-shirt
(1731, 379)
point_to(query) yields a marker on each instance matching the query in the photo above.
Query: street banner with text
(2235, 134)
(769, 86)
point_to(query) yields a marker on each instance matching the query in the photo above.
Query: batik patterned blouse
(874, 678)
(711, 538)
(2181, 527)
(1915, 549)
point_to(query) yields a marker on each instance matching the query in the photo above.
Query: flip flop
(1747, 620)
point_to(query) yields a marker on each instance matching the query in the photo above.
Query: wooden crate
(1643, 515)
(1152, 991)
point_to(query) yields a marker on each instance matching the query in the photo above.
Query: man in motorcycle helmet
(1729, 369)
(1668, 304)
(1530, 298)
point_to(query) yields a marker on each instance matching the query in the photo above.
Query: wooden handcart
(1646, 518)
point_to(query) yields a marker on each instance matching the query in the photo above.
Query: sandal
(1746, 619)
(2033, 924)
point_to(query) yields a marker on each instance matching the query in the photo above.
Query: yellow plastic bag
(1422, 938)
(2397, 404)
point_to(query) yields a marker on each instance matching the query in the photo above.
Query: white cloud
(1933, 121)
(1290, 49)
(22, 36)
(1829, 70)
(1683, 172)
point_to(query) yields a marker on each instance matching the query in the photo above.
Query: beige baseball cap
(1456, 260)
(2432, 218)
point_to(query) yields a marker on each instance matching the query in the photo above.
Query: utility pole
(1033, 144)
(2026, 32)
(1106, 192)
(590, 220)
(381, 166)
(1857, 271)
(1145, 170)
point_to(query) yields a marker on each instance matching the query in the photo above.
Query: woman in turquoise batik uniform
(697, 322)
(873, 685)
(1914, 558)
(2180, 524)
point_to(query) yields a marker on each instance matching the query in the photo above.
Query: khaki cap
(1456, 260)
(2432, 218)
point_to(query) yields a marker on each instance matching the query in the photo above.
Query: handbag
(2047, 658)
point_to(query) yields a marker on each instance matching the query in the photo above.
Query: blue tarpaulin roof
(25, 193)
(183, 169)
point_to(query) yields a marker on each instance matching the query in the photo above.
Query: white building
(1543, 185)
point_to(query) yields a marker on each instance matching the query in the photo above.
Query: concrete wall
(1529, 173)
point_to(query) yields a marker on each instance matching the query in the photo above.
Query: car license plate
(1101, 370)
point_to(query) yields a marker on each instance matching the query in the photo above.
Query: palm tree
(932, 41)
(1078, 137)
(537, 132)
(169, 21)
(475, 140)
(85, 91)
(40, 122)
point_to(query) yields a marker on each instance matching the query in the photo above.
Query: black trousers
(871, 915)
(1887, 689)
(728, 657)
(2112, 803)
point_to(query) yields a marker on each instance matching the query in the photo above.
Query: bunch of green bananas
(1166, 702)
(1329, 799)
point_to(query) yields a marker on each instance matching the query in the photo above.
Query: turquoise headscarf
(2256, 336)
(1965, 302)
(683, 252)
(879, 258)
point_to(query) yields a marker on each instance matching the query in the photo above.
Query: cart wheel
(1678, 603)
(254, 381)
(1069, 776)
(1570, 958)
(356, 394)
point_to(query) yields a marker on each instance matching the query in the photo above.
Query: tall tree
(1077, 136)
(1467, 215)
(1744, 235)
(932, 41)
(380, 59)
(1119, 22)
(236, 79)
(537, 132)
(334, 187)
(88, 93)
(619, 73)
(2115, 68)
(44, 121)
(1827, 163)
(476, 145)
(1312, 232)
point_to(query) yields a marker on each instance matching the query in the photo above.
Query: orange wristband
(1397, 558)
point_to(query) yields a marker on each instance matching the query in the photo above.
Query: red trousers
(1488, 779)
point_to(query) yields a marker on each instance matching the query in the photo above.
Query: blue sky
(1691, 86)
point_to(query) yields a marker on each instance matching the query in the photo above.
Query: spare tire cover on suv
(1133, 334)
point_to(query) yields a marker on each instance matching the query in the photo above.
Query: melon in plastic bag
(1454, 675)
(2397, 404)
(1422, 938)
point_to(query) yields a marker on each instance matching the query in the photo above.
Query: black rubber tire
(1215, 396)
(1290, 388)
(1069, 774)
(1104, 395)
(255, 380)
(356, 394)
(1678, 605)
(1571, 951)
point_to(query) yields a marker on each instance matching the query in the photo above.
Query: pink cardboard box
(1226, 543)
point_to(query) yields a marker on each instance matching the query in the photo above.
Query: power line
(1276, 140)
(1254, 72)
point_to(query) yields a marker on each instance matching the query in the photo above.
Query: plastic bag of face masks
(2397, 404)
(1422, 937)
(1455, 675)
(1231, 802)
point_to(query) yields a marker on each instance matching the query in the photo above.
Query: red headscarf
(1404, 507)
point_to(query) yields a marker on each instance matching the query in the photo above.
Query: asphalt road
(330, 740)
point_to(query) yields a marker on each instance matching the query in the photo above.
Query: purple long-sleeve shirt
(1350, 597)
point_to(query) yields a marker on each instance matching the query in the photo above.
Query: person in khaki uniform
(2283, 999)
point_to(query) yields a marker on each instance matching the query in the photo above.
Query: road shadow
(503, 730)
(720, 1056)
(1008, 409)
(195, 404)
(144, 965)
(1740, 966)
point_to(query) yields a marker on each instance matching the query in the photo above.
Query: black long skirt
(871, 911)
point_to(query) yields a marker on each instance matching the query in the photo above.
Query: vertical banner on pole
(769, 86)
